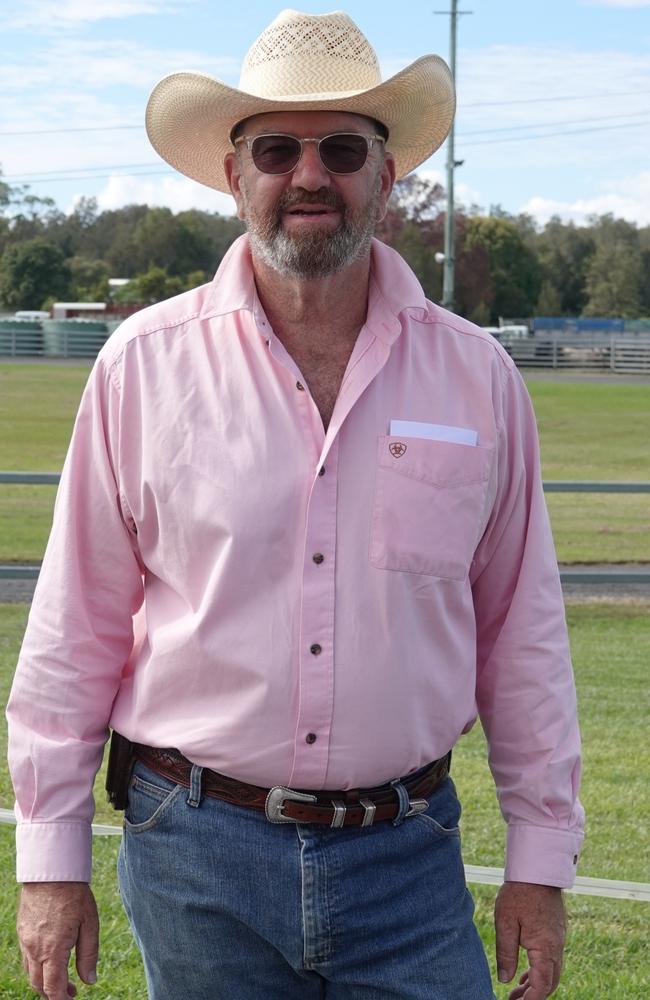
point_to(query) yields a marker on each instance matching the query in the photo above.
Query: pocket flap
(440, 463)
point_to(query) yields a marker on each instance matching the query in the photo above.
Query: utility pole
(452, 163)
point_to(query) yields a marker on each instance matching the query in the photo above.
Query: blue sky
(554, 95)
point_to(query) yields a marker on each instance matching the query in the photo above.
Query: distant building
(79, 310)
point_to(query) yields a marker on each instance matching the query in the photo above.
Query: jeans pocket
(428, 510)
(149, 798)
(446, 832)
(443, 814)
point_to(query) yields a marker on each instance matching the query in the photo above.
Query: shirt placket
(316, 644)
(317, 613)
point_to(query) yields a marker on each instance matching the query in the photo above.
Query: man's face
(310, 223)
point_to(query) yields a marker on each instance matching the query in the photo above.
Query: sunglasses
(340, 153)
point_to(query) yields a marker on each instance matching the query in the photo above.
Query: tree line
(506, 265)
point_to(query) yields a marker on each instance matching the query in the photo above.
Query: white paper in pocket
(433, 432)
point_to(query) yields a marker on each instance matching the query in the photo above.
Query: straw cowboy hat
(301, 62)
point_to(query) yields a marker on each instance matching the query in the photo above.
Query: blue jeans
(225, 905)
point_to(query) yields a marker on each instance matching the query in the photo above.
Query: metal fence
(583, 575)
(591, 352)
(53, 338)
(623, 353)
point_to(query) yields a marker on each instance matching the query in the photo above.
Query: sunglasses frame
(370, 138)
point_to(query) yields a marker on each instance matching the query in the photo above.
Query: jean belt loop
(404, 802)
(196, 774)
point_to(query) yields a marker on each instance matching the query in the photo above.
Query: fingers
(34, 974)
(519, 990)
(507, 945)
(531, 916)
(537, 983)
(49, 979)
(53, 919)
(56, 984)
(540, 977)
(88, 948)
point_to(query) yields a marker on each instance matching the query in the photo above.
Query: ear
(232, 167)
(386, 182)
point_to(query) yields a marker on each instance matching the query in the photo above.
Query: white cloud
(174, 192)
(616, 3)
(553, 77)
(180, 193)
(44, 16)
(463, 194)
(532, 90)
(102, 64)
(627, 198)
(64, 86)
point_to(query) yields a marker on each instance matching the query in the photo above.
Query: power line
(548, 135)
(88, 173)
(83, 128)
(461, 135)
(462, 106)
(66, 170)
(95, 177)
(566, 121)
(555, 99)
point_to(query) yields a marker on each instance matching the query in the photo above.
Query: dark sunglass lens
(275, 154)
(344, 154)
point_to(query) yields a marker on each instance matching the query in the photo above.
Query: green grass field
(587, 431)
(606, 955)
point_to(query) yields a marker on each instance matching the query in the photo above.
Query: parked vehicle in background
(31, 314)
(508, 333)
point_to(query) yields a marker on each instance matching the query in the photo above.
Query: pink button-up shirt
(290, 606)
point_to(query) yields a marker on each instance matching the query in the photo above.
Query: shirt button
(311, 738)
(321, 471)
(316, 649)
(300, 386)
(318, 558)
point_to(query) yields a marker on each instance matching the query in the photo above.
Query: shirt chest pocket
(428, 506)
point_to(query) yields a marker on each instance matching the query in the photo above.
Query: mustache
(299, 196)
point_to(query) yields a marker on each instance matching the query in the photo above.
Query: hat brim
(190, 116)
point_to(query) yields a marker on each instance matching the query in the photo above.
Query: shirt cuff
(53, 852)
(542, 855)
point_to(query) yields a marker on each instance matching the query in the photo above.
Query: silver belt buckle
(276, 798)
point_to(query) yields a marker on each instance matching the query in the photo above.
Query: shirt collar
(233, 286)
(393, 290)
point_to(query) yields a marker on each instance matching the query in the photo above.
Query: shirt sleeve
(525, 688)
(78, 639)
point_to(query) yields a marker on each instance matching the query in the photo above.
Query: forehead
(307, 123)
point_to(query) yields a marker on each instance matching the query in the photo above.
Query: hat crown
(301, 54)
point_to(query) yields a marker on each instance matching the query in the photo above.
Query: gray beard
(316, 253)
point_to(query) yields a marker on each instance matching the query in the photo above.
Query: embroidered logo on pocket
(397, 449)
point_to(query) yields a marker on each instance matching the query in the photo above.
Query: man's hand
(54, 918)
(531, 916)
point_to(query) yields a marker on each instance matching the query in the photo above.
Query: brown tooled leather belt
(353, 807)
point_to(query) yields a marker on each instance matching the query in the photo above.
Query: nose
(310, 173)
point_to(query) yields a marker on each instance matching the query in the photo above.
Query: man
(299, 543)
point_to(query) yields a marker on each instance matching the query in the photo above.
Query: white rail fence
(621, 354)
(608, 352)
(603, 887)
(583, 575)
